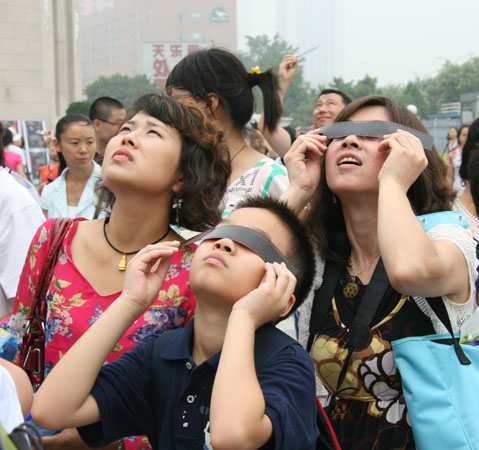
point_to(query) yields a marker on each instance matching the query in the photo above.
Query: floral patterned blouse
(74, 305)
(369, 410)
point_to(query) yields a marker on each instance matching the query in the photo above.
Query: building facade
(116, 40)
(312, 26)
(39, 50)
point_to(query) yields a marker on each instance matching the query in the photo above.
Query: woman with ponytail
(218, 79)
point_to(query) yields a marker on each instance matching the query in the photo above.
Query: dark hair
(7, 137)
(460, 131)
(473, 172)
(61, 127)
(219, 71)
(204, 160)
(429, 193)
(292, 133)
(2, 130)
(346, 100)
(300, 252)
(101, 108)
(471, 143)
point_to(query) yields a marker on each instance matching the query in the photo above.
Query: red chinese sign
(160, 57)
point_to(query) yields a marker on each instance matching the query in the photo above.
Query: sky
(396, 41)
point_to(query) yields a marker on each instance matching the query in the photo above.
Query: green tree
(123, 88)
(451, 81)
(409, 94)
(394, 91)
(358, 89)
(268, 53)
(79, 108)
(413, 95)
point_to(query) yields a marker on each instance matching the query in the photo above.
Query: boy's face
(226, 270)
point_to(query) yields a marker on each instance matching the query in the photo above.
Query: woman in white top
(362, 209)
(72, 194)
(219, 79)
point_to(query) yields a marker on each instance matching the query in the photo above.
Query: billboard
(36, 153)
(158, 58)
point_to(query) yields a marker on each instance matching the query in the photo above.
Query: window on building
(196, 35)
(182, 36)
(195, 17)
(182, 17)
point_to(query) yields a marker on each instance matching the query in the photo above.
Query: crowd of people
(154, 340)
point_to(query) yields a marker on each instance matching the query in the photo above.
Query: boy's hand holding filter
(272, 298)
(145, 274)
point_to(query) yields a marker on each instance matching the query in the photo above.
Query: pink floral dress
(74, 305)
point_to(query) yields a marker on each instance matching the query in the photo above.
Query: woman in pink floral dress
(166, 165)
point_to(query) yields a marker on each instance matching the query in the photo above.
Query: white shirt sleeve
(11, 411)
(19, 220)
(458, 312)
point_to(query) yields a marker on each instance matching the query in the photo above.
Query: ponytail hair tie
(252, 79)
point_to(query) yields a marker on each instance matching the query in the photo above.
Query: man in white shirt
(20, 217)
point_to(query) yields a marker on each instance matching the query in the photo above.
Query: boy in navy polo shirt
(214, 397)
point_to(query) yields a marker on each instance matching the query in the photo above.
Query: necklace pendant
(351, 289)
(122, 265)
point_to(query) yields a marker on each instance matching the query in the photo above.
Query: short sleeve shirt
(265, 178)
(123, 392)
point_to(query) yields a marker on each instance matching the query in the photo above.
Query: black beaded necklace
(122, 263)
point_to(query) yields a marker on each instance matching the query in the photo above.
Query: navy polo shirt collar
(179, 347)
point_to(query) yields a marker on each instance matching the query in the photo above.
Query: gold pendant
(351, 289)
(122, 264)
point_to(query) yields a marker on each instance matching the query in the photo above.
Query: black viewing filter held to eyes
(251, 239)
(373, 128)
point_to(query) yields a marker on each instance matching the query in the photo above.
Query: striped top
(265, 178)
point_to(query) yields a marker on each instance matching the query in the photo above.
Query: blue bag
(441, 393)
(440, 377)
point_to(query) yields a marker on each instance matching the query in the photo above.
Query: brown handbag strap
(58, 232)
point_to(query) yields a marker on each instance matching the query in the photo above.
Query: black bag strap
(269, 341)
(437, 305)
(373, 295)
(359, 329)
(322, 299)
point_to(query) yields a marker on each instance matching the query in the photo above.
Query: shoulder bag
(32, 352)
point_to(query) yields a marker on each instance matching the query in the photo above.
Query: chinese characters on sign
(160, 57)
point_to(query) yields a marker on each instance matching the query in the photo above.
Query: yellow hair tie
(256, 70)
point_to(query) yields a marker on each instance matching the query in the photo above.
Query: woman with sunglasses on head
(219, 80)
(362, 194)
(166, 166)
